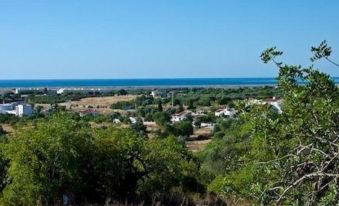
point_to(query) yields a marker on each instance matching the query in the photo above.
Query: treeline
(63, 159)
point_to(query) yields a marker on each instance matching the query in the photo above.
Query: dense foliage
(62, 158)
(260, 157)
(284, 159)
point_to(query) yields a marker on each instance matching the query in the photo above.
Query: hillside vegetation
(261, 157)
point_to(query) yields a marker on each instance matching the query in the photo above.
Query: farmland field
(100, 104)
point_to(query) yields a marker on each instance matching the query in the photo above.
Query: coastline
(109, 84)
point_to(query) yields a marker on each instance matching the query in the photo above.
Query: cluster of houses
(17, 109)
(225, 112)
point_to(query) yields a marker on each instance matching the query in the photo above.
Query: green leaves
(291, 158)
(270, 54)
(321, 51)
(61, 156)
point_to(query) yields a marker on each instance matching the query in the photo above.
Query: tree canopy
(289, 158)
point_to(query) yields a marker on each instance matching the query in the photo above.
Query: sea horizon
(141, 82)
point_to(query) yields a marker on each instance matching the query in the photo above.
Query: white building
(5, 108)
(133, 120)
(154, 93)
(179, 117)
(276, 103)
(61, 91)
(16, 109)
(16, 91)
(116, 121)
(198, 113)
(227, 112)
(207, 124)
(23, 110)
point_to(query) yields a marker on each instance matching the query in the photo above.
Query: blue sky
(160, 38)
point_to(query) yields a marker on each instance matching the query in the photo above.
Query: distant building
(16, 109)
(276, 103)
(61, 91)
(116, 121)
(227, 112)
(254, 101)
(5, 108)
(206, 124)
(133, 120)
(157, 93)
(198, 113)
(154, 93)
(24, 110)
(146, 123)
(179, 116)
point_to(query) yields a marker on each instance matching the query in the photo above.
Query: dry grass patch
(203, 131)
(103, 101)
(100, 104)
(197, 145)
(7, 128)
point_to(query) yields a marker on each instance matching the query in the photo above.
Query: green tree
(122, 92)
(139, 127)
(116, 164)
(62, 155)
(3, 164)
(167, 164)
(161, 118)
(160, 109)
(45, 162)
(183, 128)
(291, 158)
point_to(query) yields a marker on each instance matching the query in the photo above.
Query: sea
(140, 83)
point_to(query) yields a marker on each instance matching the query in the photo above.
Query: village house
(116, 121)
(61, 91)
(154, 93)
(206, 124)
(226, 112)
(276, 103)
(157, 93)
(179, 116)
(198, 113)
(133, 120)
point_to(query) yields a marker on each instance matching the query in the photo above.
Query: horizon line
(144, 78)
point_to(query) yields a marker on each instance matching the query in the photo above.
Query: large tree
(292, 158)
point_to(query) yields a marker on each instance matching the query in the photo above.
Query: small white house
(207, 124)
(227, 112)
(61, 91)
(116, 121)
(16, 91)
(133, 120)
(154, 93)
(179, 117)
(276, 103)
(198, 113)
